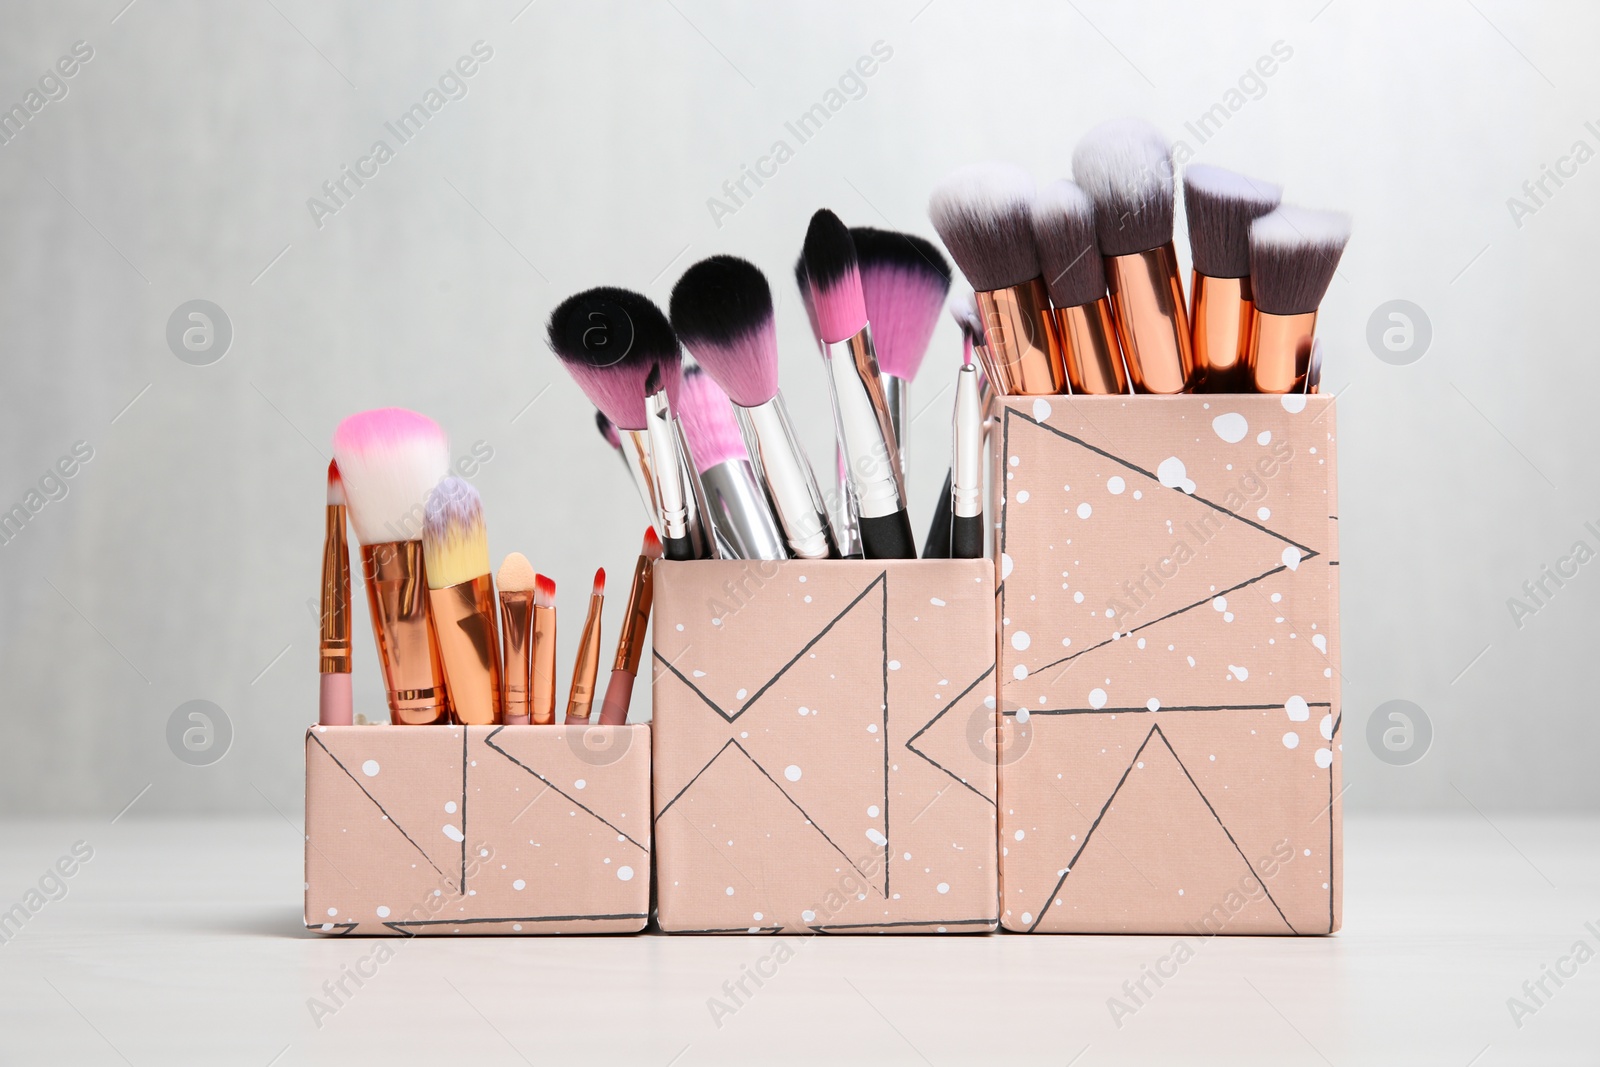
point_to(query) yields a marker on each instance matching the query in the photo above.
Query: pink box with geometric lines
(824, 746)
(1169, 665)
(477, 829)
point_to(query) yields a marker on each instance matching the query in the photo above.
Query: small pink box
(477, 829)
(824, 756)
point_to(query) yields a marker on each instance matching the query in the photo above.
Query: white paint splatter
(450, 807)
(1020, 671)
(876, 836)
(872, 811)
(1116, 486)
(936, 602)
(1321, 642)
(1022, 496)
(1294, 403)
(1291, 739)
(1241, 673)
(453, 834)
(625, 874)
(1219, 603)
(1326, 727)
(1231, 427)
(519, 885)
(792, 773)
(1174, 475)
(370, 768)
(1041, 409)
(383, 911)
(894, 665)
(1084, 510)
(943, 887)
(1264, 437)
(1020, 640)
(1324, 757)
(1005, 566)
(1298, 709)
(1153, 704)
(1097, 698)
(1291, 555)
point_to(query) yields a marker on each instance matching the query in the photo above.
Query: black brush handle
(937, 546)
(678, 548)
(888, 537)
(966, 537)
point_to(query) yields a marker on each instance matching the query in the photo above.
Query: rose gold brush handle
(1220, 313)
(1152, 323)
(408, 651)
(1280, 351)
(469, 647)
(1089, 342)
(1021, 351)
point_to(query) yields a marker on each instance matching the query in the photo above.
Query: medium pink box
(1169, 663)
(477, 829)
(824, 754)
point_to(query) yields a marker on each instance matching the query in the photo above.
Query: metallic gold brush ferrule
(1279, 352)
(635, 620)
(1152, 323)
(516, 621)
(580, 697)
(1220, 310)
(469, 647)
(335, 636)
(1089, 344)
(408, 650)
(1023, 351)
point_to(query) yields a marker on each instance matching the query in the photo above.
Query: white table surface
(181, 942)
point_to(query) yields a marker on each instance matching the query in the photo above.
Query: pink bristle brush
(735, 499)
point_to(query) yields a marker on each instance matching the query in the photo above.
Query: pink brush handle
(619, 694)
(334, 702)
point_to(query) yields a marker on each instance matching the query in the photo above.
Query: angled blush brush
(335, 702)
(580, 696)
(389, 461)
(984, 216)
(630, 642)
(455, 547)
(722, 309)
(1220, 206)
(1294, 252)
(1126, 168)
(861, 412)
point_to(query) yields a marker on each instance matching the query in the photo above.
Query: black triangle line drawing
(1155, 730)
(732, 743)
(489, 742)
(1307, 553)
(1164, 709)
(929, 725)
(882, 577)
(1125, 634)
(389, 818)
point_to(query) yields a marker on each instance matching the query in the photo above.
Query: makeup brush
(1294, 252)
(841, 504)
(630, 642)
(580, 697)
(1220, 205)
(984, 216)
(1126, 168)
(389, 460)
(608, 339)
(686, 535)
(516, 580)
(734, 498)
(334, 703)
(904, 280)
(937, 545)
(1063, 230)
(542, 650)
(455, 549)
(966, 467)
(722, 309)
(862, 415)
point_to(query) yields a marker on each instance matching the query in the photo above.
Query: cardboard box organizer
(477, 829)
(1169, 665)
(823, 746)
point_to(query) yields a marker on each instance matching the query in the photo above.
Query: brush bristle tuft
(1294, 252)
(1063, 228)
(834, 275)
(599, 583)
(722, 310)
(984, 215)
(389, 461)
(708, 421)
(544, 592)
(607, 339)
(455, 545)
(904, 280)
(516, 574)
(1125, 166)
(1220, 205)
(652, 544)
(335, 485)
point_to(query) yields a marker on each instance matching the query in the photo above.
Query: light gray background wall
(180, 163)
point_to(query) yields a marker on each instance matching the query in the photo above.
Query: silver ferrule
(791, 485)
(842, 506)
(740, 513)
(671, 493)
(895, 396)
(966, 460)
(862, 417)
(707, 545)
(634, 448)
